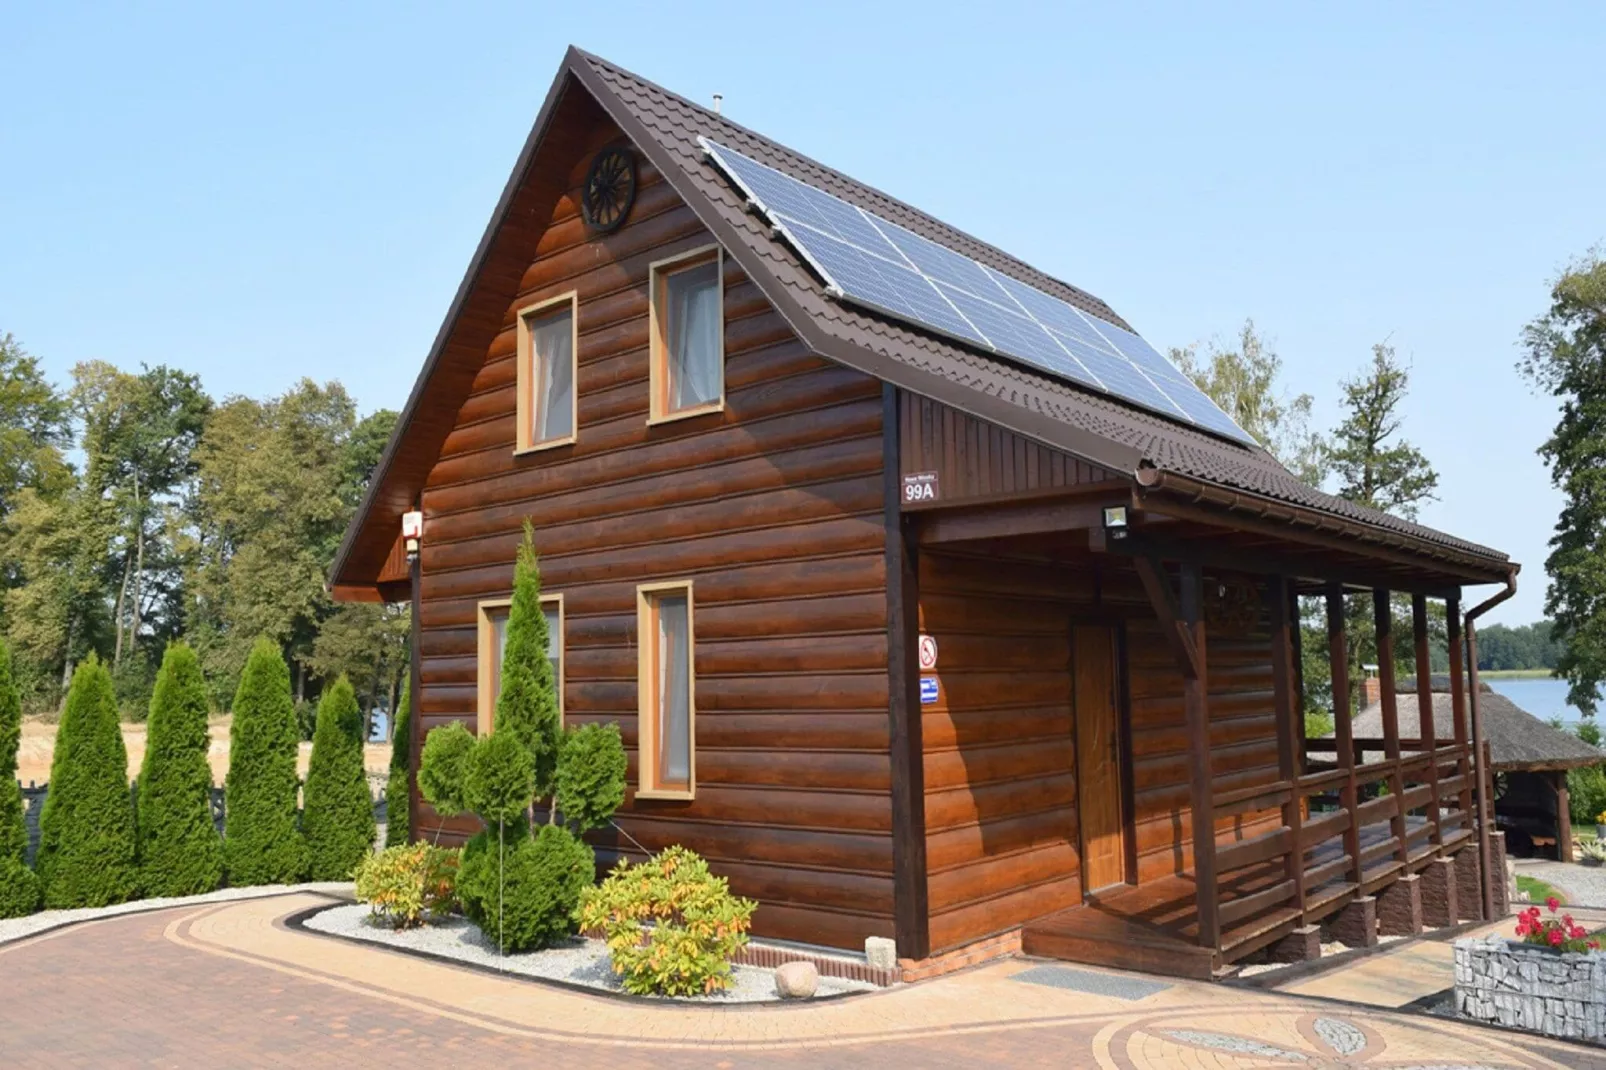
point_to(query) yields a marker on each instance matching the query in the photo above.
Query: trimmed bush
(261, 843)
(403, 884)
(86, 831)
(19, 887)
(696, 925)
(337, 818)
(524, 897)
(180, 852)
(398, 800)
(528, 705)
(591, 775)
(498, 782)
(443, 768)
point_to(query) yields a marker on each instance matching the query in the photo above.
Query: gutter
(1477, 735)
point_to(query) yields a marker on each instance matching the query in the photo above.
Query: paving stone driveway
(230, 985)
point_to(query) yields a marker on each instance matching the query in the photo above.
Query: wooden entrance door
(1098, 757)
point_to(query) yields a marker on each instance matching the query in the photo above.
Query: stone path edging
(14, 929)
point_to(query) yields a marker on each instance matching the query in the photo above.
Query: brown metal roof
(1101, 429)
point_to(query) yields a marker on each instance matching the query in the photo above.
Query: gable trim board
(1143, 447)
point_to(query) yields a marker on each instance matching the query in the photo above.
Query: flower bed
(1553, 981)
(577, 961)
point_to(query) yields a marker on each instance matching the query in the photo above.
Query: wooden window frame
(485, 633)
(525, 441)
(647, 691)
(658, 378)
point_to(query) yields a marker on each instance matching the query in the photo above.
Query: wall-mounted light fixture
(412, 531)
(1115, 521)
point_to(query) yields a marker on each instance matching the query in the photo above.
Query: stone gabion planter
(1529, 987)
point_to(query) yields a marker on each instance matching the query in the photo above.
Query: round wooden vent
(610, 189)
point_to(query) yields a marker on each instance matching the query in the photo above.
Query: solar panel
(875, 263)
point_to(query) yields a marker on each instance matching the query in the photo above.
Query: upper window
(688, 335)
(493, 648)
(547, 410)
(667, 706)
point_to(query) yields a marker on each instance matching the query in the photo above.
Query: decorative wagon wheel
(610, 189)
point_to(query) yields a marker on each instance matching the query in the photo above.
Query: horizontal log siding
(1000, 782)
(773, 508)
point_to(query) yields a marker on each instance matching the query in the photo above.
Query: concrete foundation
(1468, 889)
(1301, 945)
(1356, 924)
(1399, 907)
(1439, 906)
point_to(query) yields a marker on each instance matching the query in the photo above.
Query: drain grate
(1094, 984)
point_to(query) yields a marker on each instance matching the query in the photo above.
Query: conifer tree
(528, 704)
(398, 813)
(338, 819)
(19, 888)
(86, 831)
(261, 843)
(180, 852)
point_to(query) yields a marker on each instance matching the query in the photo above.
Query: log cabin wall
(1002, 838)
(773, 508)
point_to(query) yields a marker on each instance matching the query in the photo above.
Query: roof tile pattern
(675, 123)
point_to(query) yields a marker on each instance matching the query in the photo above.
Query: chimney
(719, 99)
(1371, 688)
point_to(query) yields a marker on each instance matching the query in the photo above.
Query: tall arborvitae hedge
(261, 843)
(86, 831)
(338, 817)
(528, 704)
(398, 811)
(19, 888)
(180, 852)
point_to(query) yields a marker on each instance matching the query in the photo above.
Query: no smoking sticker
(928, 653)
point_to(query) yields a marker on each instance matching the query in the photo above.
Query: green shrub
(180, 852)
(591, 775)
(443, 767)
(19, 887)
(337, 818)
(403, 884)
(498, 781)
(696, 924)
(86, 831)
(398, 799)
(528, 704)
(1586, 789)
(524, 896)
(261, 843)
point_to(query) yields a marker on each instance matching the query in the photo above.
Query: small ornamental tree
(398, 815)
(86, 831)
(338, 816)
(19, 888)
(261, 844)
(528, 704)
(180, 852)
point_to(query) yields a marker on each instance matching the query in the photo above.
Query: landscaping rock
(881, 952)
(796, 980)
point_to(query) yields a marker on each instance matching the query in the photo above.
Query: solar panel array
(874, 262)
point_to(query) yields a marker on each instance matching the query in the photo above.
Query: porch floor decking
(1154, 927)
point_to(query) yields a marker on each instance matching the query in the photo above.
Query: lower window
(667, 734)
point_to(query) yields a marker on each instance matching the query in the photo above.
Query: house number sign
(919, 487)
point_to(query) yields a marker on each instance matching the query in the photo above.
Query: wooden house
(910, 631)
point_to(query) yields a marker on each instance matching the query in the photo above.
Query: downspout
(1478, 769)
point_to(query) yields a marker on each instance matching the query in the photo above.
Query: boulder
(796, 980)
(881, 952)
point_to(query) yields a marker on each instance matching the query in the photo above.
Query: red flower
(1594, 945)
(1555, 938)
(1552, 903)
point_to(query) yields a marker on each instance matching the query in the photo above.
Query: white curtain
(553, 342)
(674, 692)
(554, 646)
(694, 336)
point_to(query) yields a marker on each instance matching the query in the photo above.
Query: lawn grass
(1538, 891)
(1515, 674)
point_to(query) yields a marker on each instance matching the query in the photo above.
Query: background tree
(1373, 466)
(1526, 646)
(180, 852)
(398, 798)
(338, 818)
(34, 427)
(19, 888)
(261, 843)
(1566, 358)
(86, 831)
(367, 643)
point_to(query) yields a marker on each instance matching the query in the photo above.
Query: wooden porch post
(1564, 818)
(1196, 691)
(1290, 730)
(1458, 708)
(1343, 728)
(415, 690)
(1383, 619)
(1424, 705)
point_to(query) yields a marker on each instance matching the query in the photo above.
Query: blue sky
(262, 194)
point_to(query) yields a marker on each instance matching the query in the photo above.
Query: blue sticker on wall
(928, 690)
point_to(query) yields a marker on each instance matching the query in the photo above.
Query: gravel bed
(579, 961)
(17, 928)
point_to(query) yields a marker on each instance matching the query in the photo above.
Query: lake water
(1544, 698)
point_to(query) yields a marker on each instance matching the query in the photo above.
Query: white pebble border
(20, 928)
(579, 962)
